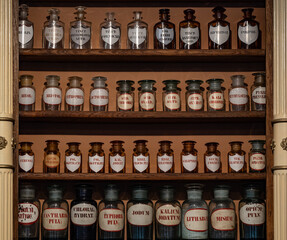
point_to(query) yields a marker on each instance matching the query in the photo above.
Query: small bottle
(53, 32)
(168, 215)
(215, 95)
(141, 157)
(147, 96)
(74, 95)
(236, 158)
(26, 28)
(52, 157)
(125, 95)
(117, 163)
(110, 33)
(80, 30)
(194, 96)
(189, 31)
(257, 159)
(194, 219)
(52, 95)
(165, 156)
(73, 158)
(111, 215)
(238, 94)
(137, 33)
(249, 34)
(26, 93)
(222, 216)
(28, 213)
(212, 158)
(26, 157)
(189, 163)
(99, 95)
(96, 158)
(258, 92)
(219, 33)
(171, 96)
(140, 215)
(164, 32)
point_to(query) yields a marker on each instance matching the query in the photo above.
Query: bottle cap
(111, 192)
(55, 192)
(84, 191)
(99, 82)
(27, 191)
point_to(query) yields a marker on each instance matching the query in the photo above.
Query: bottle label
(111, 220)
(172, 101)
(73, 162)
(117, 163)
(141, 162)
(26, 162)
(212, 162)
(52, 160)
(238, 96)
(195, 101)
(223, 219)
(125, 101)
(189, 35)
(189, 162)
(168, 215)
(75, 97)
(111, 35)
(83, 214)
(26, 96)
(248, 34)
(252, 214)
(96, 163)
(236, 162)
(196, 220)
(137, 35)
(219, 34)
(55, 219)
(80, 35)
(165, 162)
(28, 213)
(140, 215)
(99, 97)
(257, 161)
(259, 95)
(54, 34)
(216, 100)
(147, 101)
(52, 96)
(26, 34)
(165, 35)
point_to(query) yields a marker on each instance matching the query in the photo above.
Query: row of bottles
(219, 33)
(99, 94)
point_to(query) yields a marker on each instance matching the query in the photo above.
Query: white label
(248, 34)
(26, 96)
(25, 34)
(195, 101)
(99, 97)
(252, 214)
(238, 96)
(189, 162)
(259, 95)
(117, 163)
(26, 162)
(75, 97)
(257, 161)
(96, 163)
(54, 34)
(236, 162)
(196, 220)
(189, 35)
(212, 162)
(55, 219)
(111, 220)
(80, 35)
(172, 101)
(52, 96)
(137, 35)
(28, 213)
(140, 215)
(110, 35)
(147, 101)
(83, 214)
(165, 35)
(165, 162)
(125, 101)
(216, 100)
(219, 34)
(73, 162)
(223, 219)
(141, 162)
(168, 215)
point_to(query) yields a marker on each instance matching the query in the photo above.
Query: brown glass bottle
(52, 156)
(189, 163)
(117, 157)
(236, 158)
(26, 157)
(165, 158)
(73, 158)
(141, 158)
(212, 158)
(96, 162)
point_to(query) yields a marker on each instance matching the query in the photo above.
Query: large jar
(99, 95)
(257, 156)
(215, 95)
(171, 96)
(27, 93)
(194, 96)
(258, 92)
(52, 95)
(125, 95)
(147, 96)
(74, 95)
(238, 94)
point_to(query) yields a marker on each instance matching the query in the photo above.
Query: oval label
(252, 214)
(196, 220)
(83, 214)
(168, 215)
(28, 213)
(111, 220)
(140, 215)
(55, 219)
(223, 219)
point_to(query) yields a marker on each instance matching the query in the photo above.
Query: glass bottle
(168, 215)
(125, 95)
(110, 33)
(257, 159)
(258, 92)
(219, 33)
(53, 32)
(26, 28)
(55, 215)
(141, 157)
(189, 31)
(51, 157)
(194, 218)
(236, 158)
(194, 96)
(137, 33)
(117, 163)
(96, 158)
(215, 95)
(212, 158)
(238, 94)
(80, 30)
(147, 96)
(249, 34)
(171, 96)
(99, 95)
(26, 157)
(164, 32)
(28, 213)
(74, 94)
(73, 158)
(84, 214)
(165, 156)
(222, 216)
(26, 93)
(252, 214)
(189, 163)
(52, 95)
(111, 215)
(140, 215)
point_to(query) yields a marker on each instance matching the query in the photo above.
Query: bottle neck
(97, 147)
(194, 194)
(54, 17)
(194, 86)
(166, 195)
(140, 194)
(258, 146)
(215, 86)
(111, 195)
(141, 148)
(221, 194)
(26, 147)
(188, 147)
(164, 17)
(211, 148)
(252, 193)
(236, 147)
(74, 148)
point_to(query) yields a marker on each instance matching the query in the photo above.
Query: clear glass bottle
(125, 95)
(165, 158)
(52, 94)
(96, 158)
(168, 215)
(73, 158)
(27, 93)
(189, 162)
(258, 92)
(26, 157)
(26, 28)
(194, 218)
(117, 157)
(28, 213)
(80, 30)
(257, 156)
(147, 96)
(219, 33)
(99, 95)
(141, 157)
(212, 158)
(189, 31)
(171, 96)
(74, 95)
(137, 37)
(111, 215)
(238, 94)
(140, 215)
(236, 158)
(52, 157)
(222, 216)
(54, 31)
(215, 95)
(164, 32)
(194, 96)
(55, 215)
(110, 37)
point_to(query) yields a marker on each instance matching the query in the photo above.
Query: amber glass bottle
(236, 158)
(96, 158)
(212, 158)
(189, 163)
(117, 163)
(141, 162)
(51, 157)
(165, 156)
(73, 158)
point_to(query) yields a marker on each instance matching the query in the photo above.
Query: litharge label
(216, 100)
(219, 34)
(164, 35)
(212, 162)
(96, 163)
(189, 162)
(111, 220)
(172, 101)
(141, 162)
(52, 160)
(80, 35)
(137, 35)
(248, 34)
(223, 219)
(54, 34)
(165, 162)
(196, 220)
(117, 163)
(195, 101)
(55, 219)
(73, 162)
(26, 96)
(259, 95)
(52, 96)
(111, 35)
(125, 101)
(147, 101)
(236, 162)
(238, 96)
(140, 215)
(189, 35)
(28, 213)
(168, 215)
(75, 97)
(83, 214)
(257, 161)
(99, 97)
(26, 162)
(25, 34)
(252, 214)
